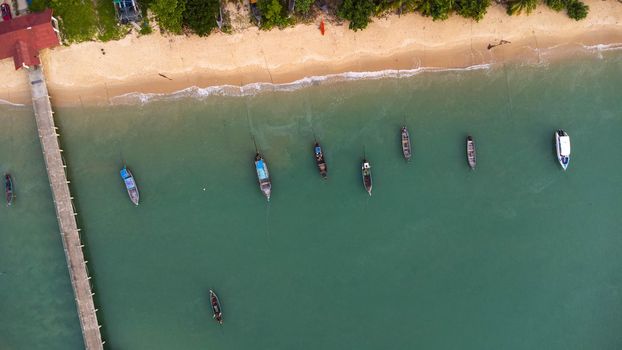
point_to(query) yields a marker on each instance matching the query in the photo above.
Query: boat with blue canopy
(130, 185)
(263, 176)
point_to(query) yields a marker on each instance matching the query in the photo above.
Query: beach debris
(322, 26)
(501, 42)
(164, 76)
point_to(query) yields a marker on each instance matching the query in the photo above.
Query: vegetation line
(96, 19)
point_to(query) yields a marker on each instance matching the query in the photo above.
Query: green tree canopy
(273, 14)
(576, 9)
(77, 19)
(200, 15)
(169, 14)
(38, 5)
(515, 7)
(437, 9)
(556, 5)
(475, 9)
(358, 12)
(303, 6)
(405, 6)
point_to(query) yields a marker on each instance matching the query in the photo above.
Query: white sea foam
(599, 49)
(255, 88)
(603, 47)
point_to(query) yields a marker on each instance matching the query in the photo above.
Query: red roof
(24, 36)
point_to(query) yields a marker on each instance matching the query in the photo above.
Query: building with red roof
(23, 37)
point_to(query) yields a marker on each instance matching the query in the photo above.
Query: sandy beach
(95, 72)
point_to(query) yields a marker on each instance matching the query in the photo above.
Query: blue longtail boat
(263, 176)
(130, 185)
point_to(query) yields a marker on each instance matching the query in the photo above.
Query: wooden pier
(65, 213)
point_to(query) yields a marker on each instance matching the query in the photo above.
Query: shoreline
(157, 64)
(254, 88)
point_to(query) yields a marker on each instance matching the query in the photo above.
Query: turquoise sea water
(37, 309)
(515, 255)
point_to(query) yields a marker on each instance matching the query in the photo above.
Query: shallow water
(515, 255)
(37, 309)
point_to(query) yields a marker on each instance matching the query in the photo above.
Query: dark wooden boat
(470, 152)
(130, 185)
(319, 160)
(8, 189)
(366, 172)
(216, 309)
(263, 176)
(406, 143)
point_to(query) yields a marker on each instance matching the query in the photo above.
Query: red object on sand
(322, 26)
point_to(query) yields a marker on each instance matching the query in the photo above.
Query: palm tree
(405, 6)
(515, 7)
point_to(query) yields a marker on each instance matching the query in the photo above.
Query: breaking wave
(603, 47)
(255, 88)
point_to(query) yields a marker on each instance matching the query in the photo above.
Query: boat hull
(562, 148)
(134, 196)
(406, 149)
(263, 176)
(216, 308)
(366, 174)
(130, 185)
(471, 153)
(319, 160)
(8, 189)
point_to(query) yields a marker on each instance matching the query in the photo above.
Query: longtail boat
(216, 309)
(319, 160)
(130, 185)
(470, 152)
(562, 147)
(8, 189)
(263, 176)
(406, 143)
(366, 172)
